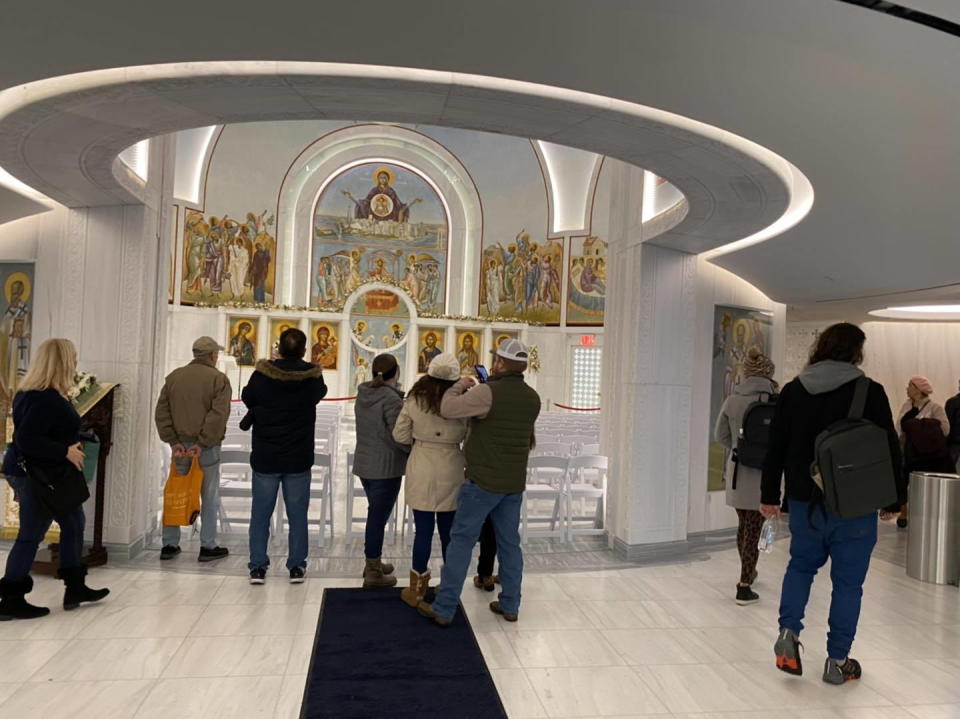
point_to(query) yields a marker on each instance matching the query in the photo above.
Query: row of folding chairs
(567, 481)
(236, 478)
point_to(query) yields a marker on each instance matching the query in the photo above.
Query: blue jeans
(209, 497)
(423, 541)
(848, 543)
(381, 499)
(35, 520)
(296, 499)
(473, 508)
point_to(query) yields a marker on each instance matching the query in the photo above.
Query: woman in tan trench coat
(435, 468)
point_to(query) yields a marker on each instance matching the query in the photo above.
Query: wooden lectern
(96, 414)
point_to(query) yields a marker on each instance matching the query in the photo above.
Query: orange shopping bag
(181, 495)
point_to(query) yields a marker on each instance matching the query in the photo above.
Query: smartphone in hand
(482, 373)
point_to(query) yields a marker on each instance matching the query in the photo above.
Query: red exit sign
(588, 340)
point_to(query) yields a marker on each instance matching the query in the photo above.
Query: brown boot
(373, 576)
(417, 590)
(385, 567)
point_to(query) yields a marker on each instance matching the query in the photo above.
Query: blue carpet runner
(376, 657)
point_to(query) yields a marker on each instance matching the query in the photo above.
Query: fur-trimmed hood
(285, 370)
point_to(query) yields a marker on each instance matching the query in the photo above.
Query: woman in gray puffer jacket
(745, 497)
(379, 461)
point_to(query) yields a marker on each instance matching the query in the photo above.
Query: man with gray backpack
(834, 443)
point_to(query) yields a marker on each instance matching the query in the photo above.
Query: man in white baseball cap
(502, 413)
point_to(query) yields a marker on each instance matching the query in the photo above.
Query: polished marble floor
(663, 638)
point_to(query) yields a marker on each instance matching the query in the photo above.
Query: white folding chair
(236, 440)
(545, 480)
(588, 449)
(551, 449)
(235, 480)
(586, 479)
(354, 490)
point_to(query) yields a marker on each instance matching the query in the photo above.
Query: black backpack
(754, 436)
(852, 466)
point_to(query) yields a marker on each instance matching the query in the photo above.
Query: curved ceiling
(62, 135)
(866, 105)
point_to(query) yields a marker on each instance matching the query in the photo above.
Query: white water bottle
(768, 535)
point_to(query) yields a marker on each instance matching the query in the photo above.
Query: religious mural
(324, 345)
(522, 280)
(379, 323)
(242, 335)
(469, 350)
(228, 260)
(16, 278)
(279, 325)
(587, 286)
(735, 332)
(379, 222)
(430, 344)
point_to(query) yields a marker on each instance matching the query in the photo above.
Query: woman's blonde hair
(54, 365)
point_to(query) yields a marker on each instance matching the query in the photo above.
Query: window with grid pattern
(585, 377)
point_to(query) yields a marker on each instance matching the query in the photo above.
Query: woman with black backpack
(742, 479)
(831, 397)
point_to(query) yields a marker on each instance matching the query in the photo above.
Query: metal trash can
(933, 540)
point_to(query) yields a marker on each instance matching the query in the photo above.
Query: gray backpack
(852, 464)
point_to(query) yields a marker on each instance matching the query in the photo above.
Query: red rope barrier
(577, 409)
(329, 399)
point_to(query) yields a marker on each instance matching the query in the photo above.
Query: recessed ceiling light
(920, 312)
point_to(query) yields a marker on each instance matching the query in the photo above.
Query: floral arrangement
(534, 359)
(82, 383)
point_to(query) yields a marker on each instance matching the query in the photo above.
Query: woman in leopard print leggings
(743, 483)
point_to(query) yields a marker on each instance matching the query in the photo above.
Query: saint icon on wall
(242, 341)
(468, 345)
(324, 349)
(431, 342)
(277, 327)
(16, 327)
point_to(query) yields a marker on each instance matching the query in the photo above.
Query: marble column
(113, 268)
(647, 376)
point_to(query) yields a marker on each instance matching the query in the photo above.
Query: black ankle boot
(77, 590)
(12, 602)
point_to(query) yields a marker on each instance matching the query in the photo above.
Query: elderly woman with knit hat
(743, 483)
(435, 468)
(924, 429)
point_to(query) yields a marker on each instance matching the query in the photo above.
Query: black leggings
(488, 549)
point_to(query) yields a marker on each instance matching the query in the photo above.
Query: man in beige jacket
(191, 417)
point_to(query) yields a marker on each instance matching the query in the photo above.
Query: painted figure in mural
(549, 283)
(494, 283)
(241, 347)
(428, 352)
(238, 267)
(324, 350)
(589, 279)
(380, 272)
(16, 330)
(362, 374)
(215, 258)
(360, 332)
(532, 283)
(334, 280)
(395, 336)
(410, 281)
(259, 269)
(356, 279)
(322, 288)
(467, 356)
(196, 254)
(433, 288)
(382, 201)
